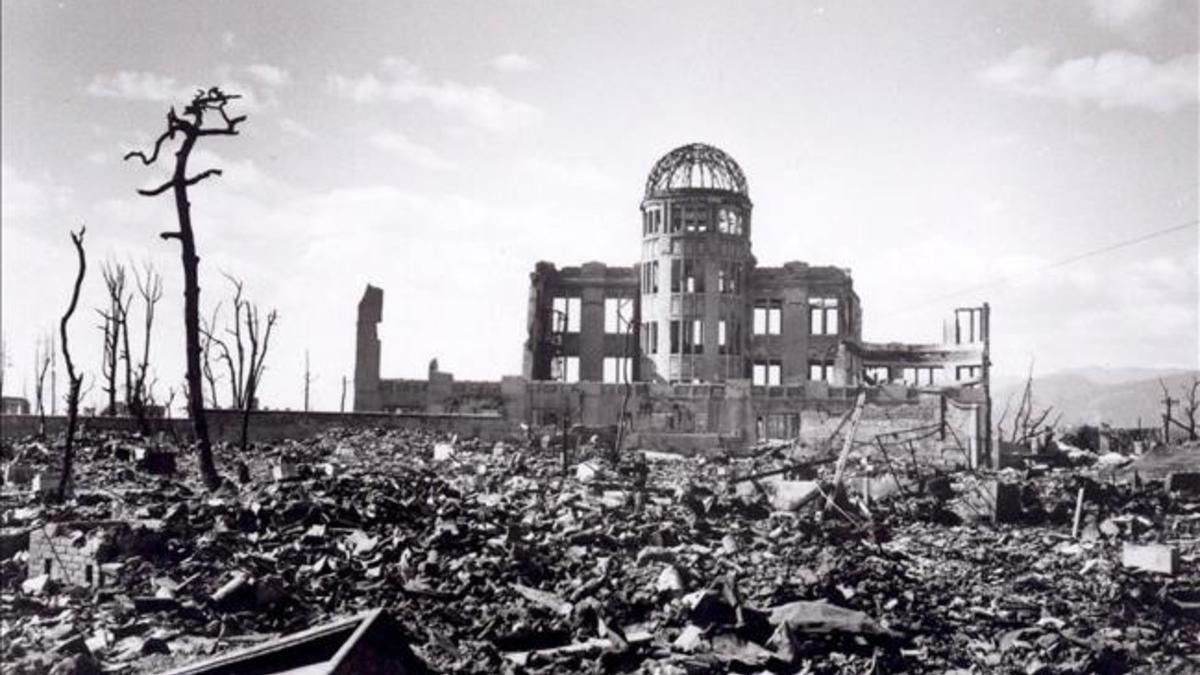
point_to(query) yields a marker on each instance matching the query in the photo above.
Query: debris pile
(498, 558)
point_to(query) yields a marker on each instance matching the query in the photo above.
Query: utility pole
(986, 328)
(343, 404)
(1168, 402)
(53, 377)
(307, 380)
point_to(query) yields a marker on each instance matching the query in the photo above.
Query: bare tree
(116, 333)
(191, 127)
(1189, 406)
(207, 328)
(42, 358)
(260, 338)
(149, 285)
(1028, 422)
(244, 351)
(74, 380)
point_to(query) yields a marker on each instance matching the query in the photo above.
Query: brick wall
(69, 555)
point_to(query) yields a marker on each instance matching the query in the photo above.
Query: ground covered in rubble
(495, 560)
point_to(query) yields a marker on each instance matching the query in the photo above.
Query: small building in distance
(14, 405)
(696, 345)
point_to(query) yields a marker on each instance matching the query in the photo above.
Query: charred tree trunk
(74, 380)
(212, 102)
(151, 292)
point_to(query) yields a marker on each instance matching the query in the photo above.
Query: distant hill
(1119, 396)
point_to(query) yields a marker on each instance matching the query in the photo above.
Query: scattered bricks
(1158, 558)
(1186, 482)
(12, 541)
(285, 470)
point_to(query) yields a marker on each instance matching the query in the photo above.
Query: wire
(1059, 263)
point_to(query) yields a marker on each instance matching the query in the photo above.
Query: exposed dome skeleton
(696, 166)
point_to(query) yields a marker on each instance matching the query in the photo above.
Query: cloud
(133, 85)
(1139, 306)
(138, 86)
(25, 198)
(1114, 79)
(269, 75)
(228, 40)
(572, 175)
(514, 63)
(1121, 14)
(296, 128)
(410, 150)
(401, 81)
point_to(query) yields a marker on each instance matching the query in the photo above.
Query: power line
(1049, 266)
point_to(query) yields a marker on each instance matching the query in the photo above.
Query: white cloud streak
(1124, 14)
(138, 86)
(269, 75)
(404, 147)
(514, 63)
(401, 81)
(1114, 79)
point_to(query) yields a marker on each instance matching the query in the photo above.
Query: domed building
(697, 346)
(701, 308)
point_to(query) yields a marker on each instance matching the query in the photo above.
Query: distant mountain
(1119, 397)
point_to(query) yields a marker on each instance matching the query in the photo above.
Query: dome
(696, 166)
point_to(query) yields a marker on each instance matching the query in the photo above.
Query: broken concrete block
(669, 580)
(689, 640)
(329, 469)
(17, 473)
(587, 472)
(76, 664)
(443, 452)
(1186, 482)
(1158, 558)
(46, 483)
(36, 585)
(790, 495)
(614, 499)
(156, 462)
(1006, 502)
(729, 544)
(12, 541)
(285, 470)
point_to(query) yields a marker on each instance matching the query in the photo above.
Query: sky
(947, 153)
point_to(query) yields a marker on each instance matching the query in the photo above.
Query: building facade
(704, 341)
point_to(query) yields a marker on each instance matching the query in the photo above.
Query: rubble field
(496, 559)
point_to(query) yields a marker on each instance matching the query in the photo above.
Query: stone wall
(272, 425)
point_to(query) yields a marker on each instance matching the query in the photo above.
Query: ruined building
(696, 345)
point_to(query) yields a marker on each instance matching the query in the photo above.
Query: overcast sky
(438, 150)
